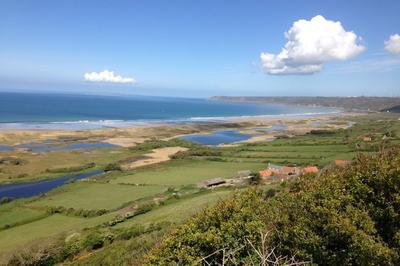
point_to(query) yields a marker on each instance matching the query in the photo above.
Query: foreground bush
(229, 224)
(346, 216)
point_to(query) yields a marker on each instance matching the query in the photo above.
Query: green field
(19, 215)
(19, 236)
(178, 173)
(87, 195)
(178, 210)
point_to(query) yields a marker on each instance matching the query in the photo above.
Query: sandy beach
(131, 136)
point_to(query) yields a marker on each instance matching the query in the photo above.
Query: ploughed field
(158, 196)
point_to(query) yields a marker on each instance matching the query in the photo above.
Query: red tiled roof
(288, 169)
(310, 169)
(341, 162)
(265, 173)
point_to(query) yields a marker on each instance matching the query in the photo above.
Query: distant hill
(377, 104)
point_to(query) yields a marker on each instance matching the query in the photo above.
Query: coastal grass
(17, 237)
(19, 215)
(184, 172)
(96, 196)
(178, 210)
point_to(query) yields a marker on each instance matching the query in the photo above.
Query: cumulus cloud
(107, 76)
(311, 44)
(393, 44)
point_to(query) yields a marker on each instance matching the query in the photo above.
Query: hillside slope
(346, 216)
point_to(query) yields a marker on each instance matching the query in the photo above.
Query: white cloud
(393, 44)
(108, 76)
(311, 44)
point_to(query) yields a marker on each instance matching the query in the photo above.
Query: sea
(76, 112)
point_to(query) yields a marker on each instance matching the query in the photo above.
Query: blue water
(6, 148)
(45, 147)
(217, 137)
(273, 128)
(25, 190)
(21, 110)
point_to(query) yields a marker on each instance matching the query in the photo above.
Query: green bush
(155, 144)
(94, 241)
(228, 224)
(112, 167)
(143, 209)
(71, 169)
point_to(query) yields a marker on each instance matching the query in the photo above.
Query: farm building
(243, 174)
(274, 167)
(214, 182)
(281, 173)
(265, 173)
(341, 162)
(290, 171)
(310, 170)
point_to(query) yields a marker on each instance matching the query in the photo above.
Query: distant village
(273, 173)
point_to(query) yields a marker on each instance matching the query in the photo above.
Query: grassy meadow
(178, 210)
(184, 172)
(91, 195)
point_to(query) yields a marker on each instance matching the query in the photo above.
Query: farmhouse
(266, 173)
(282, 173)
(279, 172)
(274, 167)
(310, 170)
(290, 171)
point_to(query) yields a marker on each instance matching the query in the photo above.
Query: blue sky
(192, 48)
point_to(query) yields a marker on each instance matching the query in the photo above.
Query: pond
(48, 146)
(273, 128)
(25, 190)
(218, 137)
(6, 148)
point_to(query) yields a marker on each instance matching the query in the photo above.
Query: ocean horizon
(73, 111)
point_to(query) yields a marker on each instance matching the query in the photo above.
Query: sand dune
(156, 156)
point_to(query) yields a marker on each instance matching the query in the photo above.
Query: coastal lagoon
(218, 137)
(6, 148)
(24, 190)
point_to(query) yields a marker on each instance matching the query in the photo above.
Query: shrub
(93, 241)
(255, 178)
(112, 167)
(71, 169)
(128, 233)
(143, 209)
(4, 200)
(228, 224)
